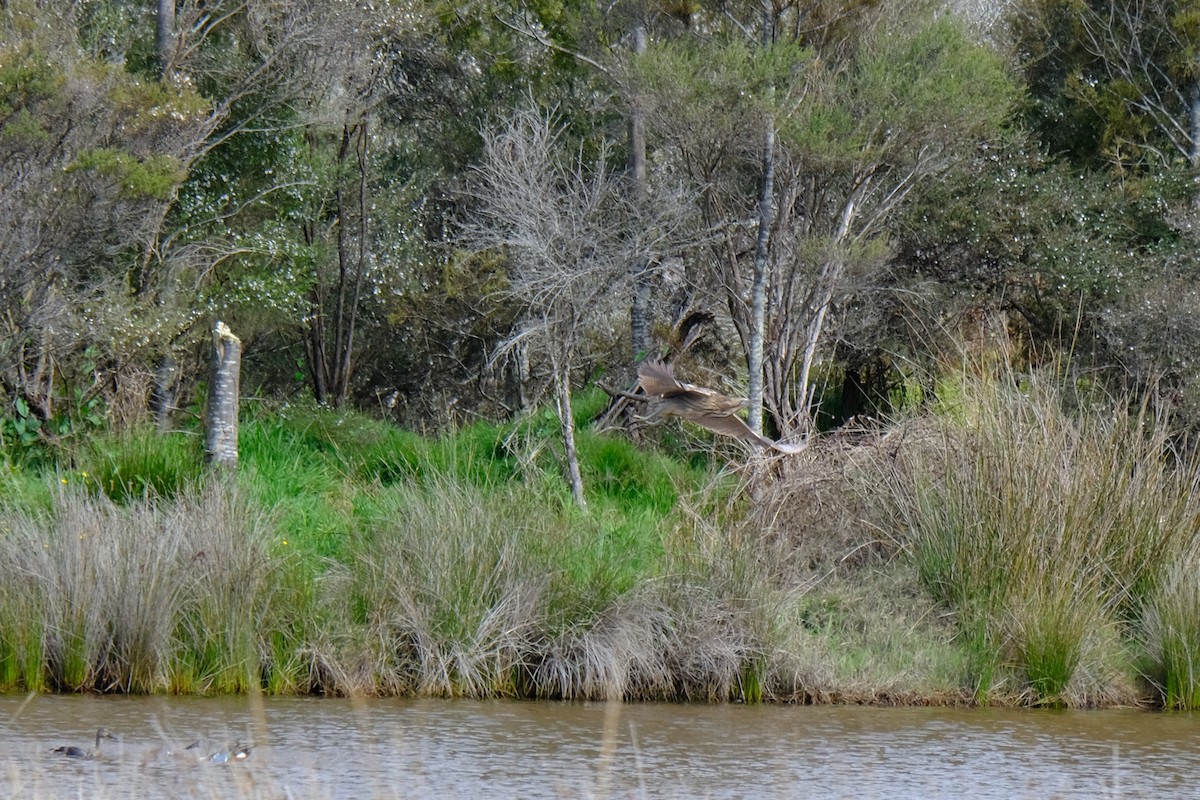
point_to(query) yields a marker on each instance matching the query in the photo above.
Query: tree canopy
(808, 198)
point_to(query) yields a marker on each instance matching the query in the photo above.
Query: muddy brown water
(319, 748)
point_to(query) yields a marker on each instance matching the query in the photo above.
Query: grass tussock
(146, 597)
(449, 593)
(1046, 531)
(1172, 633)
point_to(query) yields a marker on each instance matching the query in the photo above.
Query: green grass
(1026, 552)
(139, 463)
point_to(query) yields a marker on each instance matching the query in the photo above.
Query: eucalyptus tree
(861, 104)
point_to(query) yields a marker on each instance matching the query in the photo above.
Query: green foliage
(1098, 73)
(920, 85)
(137, 464)
(26, 438)
(21, 433)
(114, 31)
(1063, 245)
(22, 130)
(933, 77)
(155, 176)
(27, 77)
(716, 90)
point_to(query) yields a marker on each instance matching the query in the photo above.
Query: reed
(448, 592)
(126, 598)
(1172, 635)
(1041, 526)
(252, 605)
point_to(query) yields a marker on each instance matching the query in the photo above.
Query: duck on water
(238, 752)
(71, 751)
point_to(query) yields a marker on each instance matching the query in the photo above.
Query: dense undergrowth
(1000, 548)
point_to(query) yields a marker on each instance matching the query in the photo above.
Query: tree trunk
(221, 440)
(337, 391)
(831, 274)
(516, 379)
(346, 356)
(164, 37)
(334, 305)
(639, 309)
(166, 385)
(1194, 132)
(165, 392)
(762, 262)
(318, 363)
(562, 402)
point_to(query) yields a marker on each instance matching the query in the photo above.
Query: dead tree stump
(221, 439)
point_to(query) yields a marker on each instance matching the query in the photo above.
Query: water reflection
(314, 748)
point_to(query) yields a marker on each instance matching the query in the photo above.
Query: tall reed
(447, 592)
(1044, 528)
(152, 596)
(1172, 633)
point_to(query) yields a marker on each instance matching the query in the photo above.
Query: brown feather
(704, 407)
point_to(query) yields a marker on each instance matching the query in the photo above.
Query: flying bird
(709, 409)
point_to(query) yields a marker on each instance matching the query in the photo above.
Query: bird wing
(657, 378)
(704, 407)
(735, 426)
(727, 425)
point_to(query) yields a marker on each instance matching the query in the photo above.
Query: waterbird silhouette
(238, 752)
(235, 753)
(71, 751)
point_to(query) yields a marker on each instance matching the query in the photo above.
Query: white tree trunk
(221, 440)
(639, 310)
(562, 398)
(762, 253)
(1194, 145)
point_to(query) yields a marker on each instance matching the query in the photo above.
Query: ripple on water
(431, 749)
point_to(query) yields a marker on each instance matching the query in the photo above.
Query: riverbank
(1004, 548)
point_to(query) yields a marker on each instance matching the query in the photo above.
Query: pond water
(321, 748)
